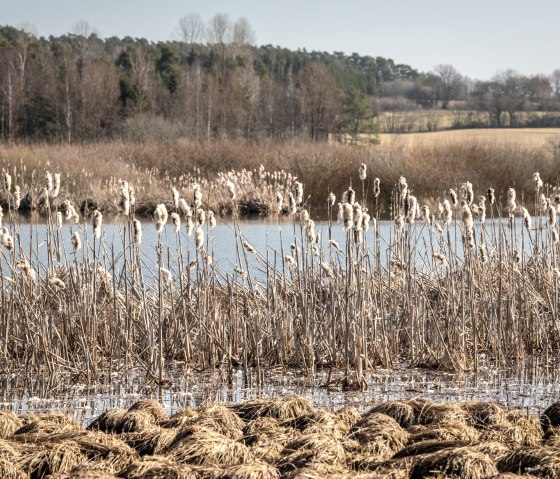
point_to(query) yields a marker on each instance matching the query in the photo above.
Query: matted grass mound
(550, 418)
(446, 430)
(380, 435)
(150, 406)
(48, 458)
(151, 441)
(107, 421)
(461, 462)
(158, 467)
(282, 409)
(9, 423)
(538, 461)
(51, 423)
(251, 470)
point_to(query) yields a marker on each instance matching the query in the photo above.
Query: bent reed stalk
(437, 300)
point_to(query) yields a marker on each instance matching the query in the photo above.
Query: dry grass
(312, 445)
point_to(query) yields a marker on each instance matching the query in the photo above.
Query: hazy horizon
(478, 39)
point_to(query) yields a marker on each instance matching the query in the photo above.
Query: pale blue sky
(478, 37)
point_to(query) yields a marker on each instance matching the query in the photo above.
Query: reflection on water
(532, 386)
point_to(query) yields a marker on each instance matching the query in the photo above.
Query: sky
(477, 37)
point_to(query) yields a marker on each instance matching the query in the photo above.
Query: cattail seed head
(327, 269)
(160, 217)
(526, 218)
(279, 202)
(97, 221)
(26, 269)
(349, 196)
(298, 192)
(290, 261)
(483, 253)
(376, 187)
(551, 213)
(131, 195)
(362, 171)
(347, 215)
(211, 219)
(189, 226)
(175, 197)
(6, 239)
(411, 209)
(123, 200)
(56, 185)
(176, 221)
(7, 182)
(453, 196)
(48, 182)
(537, 180)
(137, 231)
(17, 197)
(76, 241)
(491, 196)
(331, 199)
(184, 208)
(447, 212)
(199, 237)
(335, 245)
(59, 219)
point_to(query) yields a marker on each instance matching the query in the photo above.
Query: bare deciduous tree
(220, 29)
(191, 29)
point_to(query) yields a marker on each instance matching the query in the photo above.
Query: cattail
(303, 217)
(56, 185)
(425, 215)
(279, 202)
(537, 180)
(211, 219)
(199, 237)
(1, 215)
(76, 241)
(516, 256)
(318, 237)
(551, 212)
(123, 201)
(376, 187)
(97, 221)
(483, 253)
(58, 219)
(440, 257)
(248, 247)
(7, 240)
(197, 196)
(543, 202)
(26, 269)
(335, 245)
(310, 230)
(399, 223)
(526, 218)
(209, 260)
(292, 263)
(165, 274)
(137, 230)
(56, 283)
(189, 226)
(331, 199)
(340, 215)
(511, 200)
(230, 188)
(447, 212)
(48, 182)
(453, 196)
(467, 192)
(467, 217)
(176, 221)
(70, 213)
(160, 217)
(482, 213)
(175, 197)
(314, 250)
(184, 208)
(357, 215)
(556, 274)
(17, 197)
(438, 228)
(327, 269)
(7, 182)
(131, 195)
(292, 207)
(349, 196)
(298, 192)
(347, 216)
(411, 210)
(554, 236)
(358, 235)
(362, 171)
(491, 197)
(365, 222)
(45, 197)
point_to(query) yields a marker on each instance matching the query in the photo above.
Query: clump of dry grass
(135, 421)
(446, 430)
(151, 406)
(9, 423)
(11, 470)
(158, 467)
(283, 409)
(379, 434)
(107, 421)
(400, 411)
(208, 448)
(550, 418)
(462, 462)
(252, 470)
(39, 461)
(485, 415)
(538, 461)
(518, 429)
(151, 441)
(181, 418)
(311, 449)
(428, 447)
(52, 423)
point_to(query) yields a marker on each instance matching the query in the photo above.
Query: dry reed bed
(454, 285)
(286, 438)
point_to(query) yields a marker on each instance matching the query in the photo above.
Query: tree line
(212, 81)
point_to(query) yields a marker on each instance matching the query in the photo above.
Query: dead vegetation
(288, 438)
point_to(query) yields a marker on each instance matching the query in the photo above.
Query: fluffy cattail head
(526, 218)
(230, 189)
(199, 237)
(200, 217)
(7, 182)
(347, 215)
(211, 219)
(6, 239)
(184, 208)
(537, 180)
(298, 192)
(362, 171)
(331, 199)
(56, 185)
(279, 202)
(76, 241)
(123, 200)
(453, 196)
(175, 197)
(97, 221)
(176, 221)
(197, 196)
(491, 196)
(137, 230)
(411, 209)
(292, 207)
(551, 213)
(17, 197)
(349, 196)
(131, 195)
(160, 217)
(376, 187)
(48, 181)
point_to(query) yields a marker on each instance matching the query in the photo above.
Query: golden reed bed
(286, 438)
